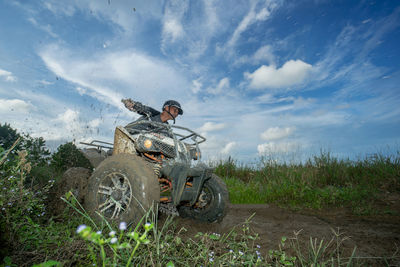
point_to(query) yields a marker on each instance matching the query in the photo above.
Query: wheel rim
(206, 197)
(114, 195)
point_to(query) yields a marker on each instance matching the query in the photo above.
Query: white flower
(113, 240)
(98, 232)
(258, 246)
(112, 233)
(240, 253)
(80, 228)
(230, 251)
(122, 226)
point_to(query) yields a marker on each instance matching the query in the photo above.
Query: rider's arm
(140, 108)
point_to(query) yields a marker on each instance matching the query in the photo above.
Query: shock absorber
(157, 169)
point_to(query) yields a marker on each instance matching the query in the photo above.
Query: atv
(152, 163)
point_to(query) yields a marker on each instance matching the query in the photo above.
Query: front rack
(98, 144)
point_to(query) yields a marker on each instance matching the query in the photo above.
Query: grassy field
(321, 182)
(32, 235)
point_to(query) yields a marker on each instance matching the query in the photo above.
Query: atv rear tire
(212, 204)
(122, 188)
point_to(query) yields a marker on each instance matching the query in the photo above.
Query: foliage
(321, 182)
(8, 136)
(67, 156)
(20, 207)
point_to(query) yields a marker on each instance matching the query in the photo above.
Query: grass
(33, 236)
(321, 182)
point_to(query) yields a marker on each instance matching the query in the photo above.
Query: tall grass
(322, 181)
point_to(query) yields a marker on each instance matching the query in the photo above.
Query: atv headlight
(147, 143)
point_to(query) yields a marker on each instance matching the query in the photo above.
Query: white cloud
(222, 87)
(262, 55)
(196, 86)
(94, 123)
(275, 133)
(15, 105)
(81, 91)
(172, 29)
(291, 73)
(274, 148)
(44, 82)
(46, 28)
(251, 17)
(211, 126)
(228, 148)
(131, 74)
(7, 76)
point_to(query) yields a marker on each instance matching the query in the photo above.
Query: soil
(374, 236)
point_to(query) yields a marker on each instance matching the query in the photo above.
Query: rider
(170, 110)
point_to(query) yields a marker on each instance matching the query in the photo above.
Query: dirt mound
(374, 236)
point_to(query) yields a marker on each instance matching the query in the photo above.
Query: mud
(374, 236)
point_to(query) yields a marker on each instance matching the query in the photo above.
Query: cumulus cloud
(291, 73)
(211, 126)
(273, 148)
(15, 105)
(7, 76)
(275, 133)
(228, 148)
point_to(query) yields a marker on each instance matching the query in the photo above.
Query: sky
(257, 78)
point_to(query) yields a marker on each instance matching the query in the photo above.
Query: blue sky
(258, 78)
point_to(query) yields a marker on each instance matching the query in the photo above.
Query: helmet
(173, 103)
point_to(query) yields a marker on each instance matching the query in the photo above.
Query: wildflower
(113, 240)
(9, 203)
(148, 226)
(122, 226)
(80, 228)
(98, 232)
(240, 253)
(211, 260)
(258, 253)
(258, 246)
(112, 233)
(230, 251)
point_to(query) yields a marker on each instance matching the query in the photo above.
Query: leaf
(170, 264)
(214, 237)
(48, 264)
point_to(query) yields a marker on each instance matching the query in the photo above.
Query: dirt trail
(373, 235)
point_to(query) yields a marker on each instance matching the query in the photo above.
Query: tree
(67, 156)
(8, 136)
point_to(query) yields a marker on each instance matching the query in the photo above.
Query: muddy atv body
(154, 164)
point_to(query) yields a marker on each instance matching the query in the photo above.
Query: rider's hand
(129, 104)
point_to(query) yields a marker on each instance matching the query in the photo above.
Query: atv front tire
(122, 188)
(212, 204)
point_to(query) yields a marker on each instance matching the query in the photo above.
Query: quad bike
(152, 163)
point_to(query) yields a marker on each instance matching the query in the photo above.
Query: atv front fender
(180, 173)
